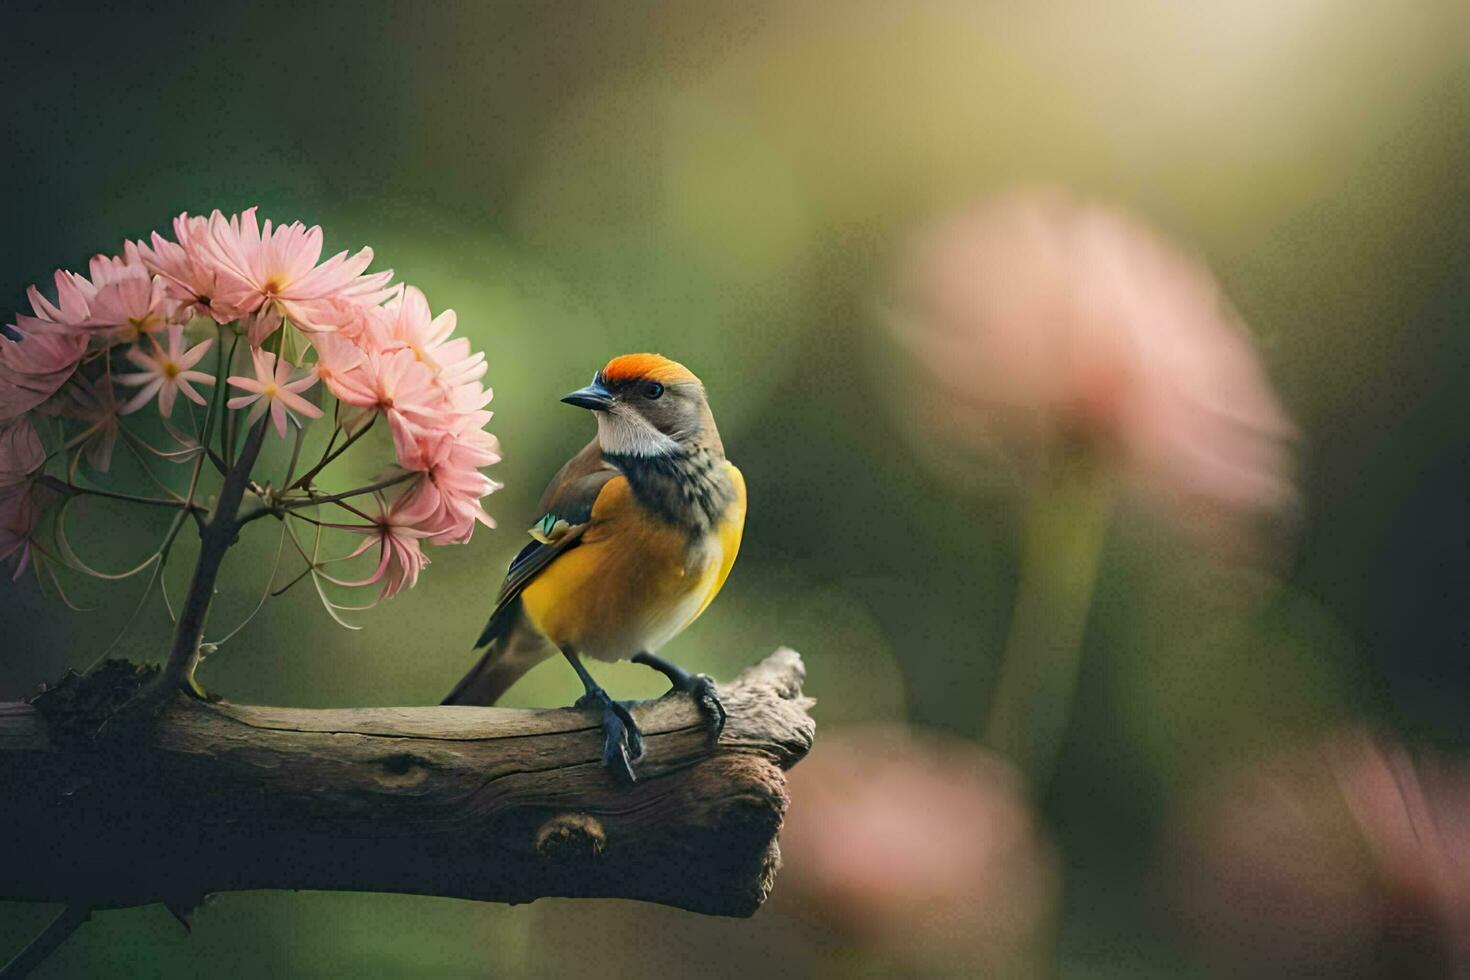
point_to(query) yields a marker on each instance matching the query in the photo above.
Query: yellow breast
(633, 582)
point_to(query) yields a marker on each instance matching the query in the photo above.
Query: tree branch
(216, 538)
(492, 804)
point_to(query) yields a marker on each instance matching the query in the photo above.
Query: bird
(635, 537)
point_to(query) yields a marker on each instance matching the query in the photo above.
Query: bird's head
(648, 405)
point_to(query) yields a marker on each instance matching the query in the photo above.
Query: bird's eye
(652, 390)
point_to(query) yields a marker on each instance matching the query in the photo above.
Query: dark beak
(594, 397)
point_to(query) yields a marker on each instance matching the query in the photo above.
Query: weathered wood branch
(483, 803)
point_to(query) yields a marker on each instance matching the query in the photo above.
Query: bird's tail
(508, 655)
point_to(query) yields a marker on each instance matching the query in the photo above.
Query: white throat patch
(630, 434)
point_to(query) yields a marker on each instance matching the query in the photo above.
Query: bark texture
(494, 804)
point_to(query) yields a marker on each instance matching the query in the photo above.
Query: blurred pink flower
(1048, 322)
(397, 530)
(272, 272)
(1343, 857)
(922, 847)
(273, 390)
(166, 372)
(92, 402)
(187, 269)
(410, 325)
(21, 452)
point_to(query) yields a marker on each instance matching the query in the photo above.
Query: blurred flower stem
(1066, 527)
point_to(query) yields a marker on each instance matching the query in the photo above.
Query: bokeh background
(729, 184)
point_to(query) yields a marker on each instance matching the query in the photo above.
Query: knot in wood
(571, 836)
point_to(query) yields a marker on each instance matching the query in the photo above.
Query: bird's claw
(702, 688)
(622, 742)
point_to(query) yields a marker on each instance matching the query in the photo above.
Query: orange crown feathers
(647, 367)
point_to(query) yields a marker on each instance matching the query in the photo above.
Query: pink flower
(33, 368)
(449, 501)
(70, 308)
(922, 848)
(186, 268)
(409, 325)
(451, 495)
(272, 273)
(396, 532)
(364, 323)
(272, 389)
(166, 372)
(127, 302)
(404, 390)
(338, 362)
(1046, 323)
(94, 404)
(1326, 859)
(18, 516)
(21, 452)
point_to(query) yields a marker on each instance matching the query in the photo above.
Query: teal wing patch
(549, 529)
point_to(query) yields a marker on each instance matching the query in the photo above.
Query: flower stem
(295, 455)
(331, 455)
(1066, 527)
(71, 489)
(214, 540)
(335, 498)
(216, 403)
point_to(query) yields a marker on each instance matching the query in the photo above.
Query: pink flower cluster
(400, 362)
(375, 346)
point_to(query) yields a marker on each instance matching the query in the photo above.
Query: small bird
(637, 535)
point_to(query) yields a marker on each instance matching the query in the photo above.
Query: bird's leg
(701, 686)
(622, 743)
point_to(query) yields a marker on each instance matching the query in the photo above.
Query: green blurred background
(727, 184)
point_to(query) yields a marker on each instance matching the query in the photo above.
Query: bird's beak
(594, 397)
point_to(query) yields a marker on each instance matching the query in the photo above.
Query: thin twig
(275, 567)
(295, 454)
(347, 494)
(282, 507)
(156, 578)
(287, 587)
(71, 489)
(328, 458)
(130, 440)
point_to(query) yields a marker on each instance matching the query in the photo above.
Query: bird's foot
(702, 688)
(622, 742)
